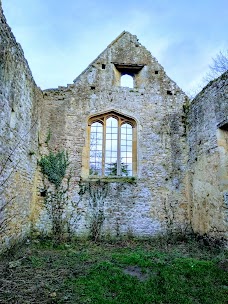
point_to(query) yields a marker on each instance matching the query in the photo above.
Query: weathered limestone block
(158, 200)
(208, 159)
(18, 137)
(180, 150)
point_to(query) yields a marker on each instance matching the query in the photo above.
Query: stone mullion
(134, 151)
(104, 146)
(119, 147)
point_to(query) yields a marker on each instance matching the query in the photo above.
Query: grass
(123, 272)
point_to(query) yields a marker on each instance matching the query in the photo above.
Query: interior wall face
(208, 159)
(180, 150)
(18, 137)
(157, 199)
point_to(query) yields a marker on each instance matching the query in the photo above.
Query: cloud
(60, 41)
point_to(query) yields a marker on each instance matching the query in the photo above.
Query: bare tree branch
(220, 62)
(218, 67)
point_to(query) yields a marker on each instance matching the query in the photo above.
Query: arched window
(112, 145)
(127, 81)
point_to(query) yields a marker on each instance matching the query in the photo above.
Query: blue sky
(61, 38)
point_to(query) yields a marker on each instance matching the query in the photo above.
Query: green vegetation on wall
(54, 167)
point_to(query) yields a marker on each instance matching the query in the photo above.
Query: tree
(112, 169)
(218, 66)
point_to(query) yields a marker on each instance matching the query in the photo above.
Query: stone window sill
(112, 179)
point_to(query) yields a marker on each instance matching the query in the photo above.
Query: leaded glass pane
(111, 146)
(96, 142)
(126, 150)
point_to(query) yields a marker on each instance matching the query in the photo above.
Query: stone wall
(157, 201)
(208, 159)
(181, 150)
(18, 137)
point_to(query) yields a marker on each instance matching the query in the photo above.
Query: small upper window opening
(169, 92)
(127, 81)
(128, 73)
(92, 88)
(156, 72)
(103, 66)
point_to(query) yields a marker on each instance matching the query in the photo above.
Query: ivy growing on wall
(62, 211)
(54, 167)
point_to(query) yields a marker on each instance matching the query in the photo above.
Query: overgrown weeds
(127, 271)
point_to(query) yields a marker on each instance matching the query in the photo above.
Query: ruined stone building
(150, 159)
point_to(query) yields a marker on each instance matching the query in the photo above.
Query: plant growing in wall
(97, 191)
(54, 167)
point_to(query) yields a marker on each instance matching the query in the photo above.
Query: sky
(61, 38)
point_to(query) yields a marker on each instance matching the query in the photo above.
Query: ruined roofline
(110, 44)
(210, 84)
(117, 38)
(10, 42)
(77, 79)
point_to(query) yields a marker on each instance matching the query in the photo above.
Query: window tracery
(112, 145)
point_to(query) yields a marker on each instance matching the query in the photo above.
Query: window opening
(96, 140)
(126, 149)
(111, 146)
(222, 137)
(127, 74)
(127, 81)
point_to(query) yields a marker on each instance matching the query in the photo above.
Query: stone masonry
(208, 158)
(19, 97)
(158, 197)
(180, 179)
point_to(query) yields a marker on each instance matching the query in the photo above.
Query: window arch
(127, 81)
(112, 147)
